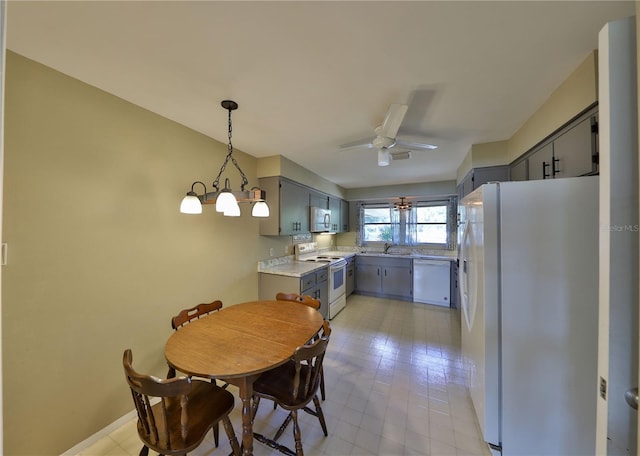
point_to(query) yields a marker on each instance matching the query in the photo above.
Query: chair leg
(231, 434)
(144, 451)
(254, 407)
(296, 433)
(216, 433)
(322, 383)
(316, 402)
(283, 427)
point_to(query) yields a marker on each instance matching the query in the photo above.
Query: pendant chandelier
(226, 200)
(402, 205)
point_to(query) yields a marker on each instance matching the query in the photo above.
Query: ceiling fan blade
(360, 144)
(415, 145)
(392, 120)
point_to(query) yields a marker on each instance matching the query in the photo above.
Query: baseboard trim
(102, 433)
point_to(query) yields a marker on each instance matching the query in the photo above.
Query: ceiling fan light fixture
(384, 157)
(402, 205)
(406, 155)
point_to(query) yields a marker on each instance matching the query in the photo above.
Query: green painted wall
(99, 256)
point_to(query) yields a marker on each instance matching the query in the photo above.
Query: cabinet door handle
(545, 165)
(555, 169)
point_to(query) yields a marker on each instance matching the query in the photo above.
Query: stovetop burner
(309, 252)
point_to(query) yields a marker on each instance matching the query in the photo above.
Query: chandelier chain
(245, 181)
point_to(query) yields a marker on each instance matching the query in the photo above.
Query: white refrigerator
(528, 281)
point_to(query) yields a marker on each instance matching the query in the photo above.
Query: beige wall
(482, 155)
(100, 258)
(278, 165)
(577, 93)
(442, 188)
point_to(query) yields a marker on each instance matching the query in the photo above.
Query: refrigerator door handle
(468, 310)
(631, 396)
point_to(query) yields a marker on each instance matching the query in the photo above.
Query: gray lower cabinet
(454, 294)
(384, 277)
(351, 275)
(315, 284)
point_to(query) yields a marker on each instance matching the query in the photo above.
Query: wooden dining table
(239, 342)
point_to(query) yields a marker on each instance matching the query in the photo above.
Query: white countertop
(410, 256)
(292, 268)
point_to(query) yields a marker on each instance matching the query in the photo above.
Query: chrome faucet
(387, 247)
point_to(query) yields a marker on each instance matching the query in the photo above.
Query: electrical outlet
(286, 249)
(272, 252)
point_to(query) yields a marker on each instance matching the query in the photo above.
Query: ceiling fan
(386, 138)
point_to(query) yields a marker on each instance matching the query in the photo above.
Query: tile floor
(394, 387)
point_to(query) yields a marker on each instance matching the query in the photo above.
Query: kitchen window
(429, 223)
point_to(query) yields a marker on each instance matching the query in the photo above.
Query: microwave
(320, 220)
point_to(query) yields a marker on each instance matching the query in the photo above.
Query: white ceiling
(310, 76)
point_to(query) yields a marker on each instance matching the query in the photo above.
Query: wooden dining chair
(293, 386)
(303, 299)
(187, 409)
(311, 302)
(184, 317)
(201, 310)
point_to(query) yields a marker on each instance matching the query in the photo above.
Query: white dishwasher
(432, 281)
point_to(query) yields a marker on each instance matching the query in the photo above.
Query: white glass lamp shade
(384, 157)
(260, 209)
(233, 210)
(190, 205)
(226, 202)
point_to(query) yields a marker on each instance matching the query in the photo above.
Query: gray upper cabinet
(569, 152)
(575, 151)
(344, 216)
(336, 214)
(519, 171)
(289, 206)
(317, 199)
(540, 163)
(478, 176)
